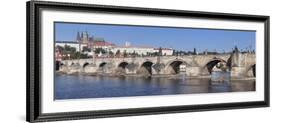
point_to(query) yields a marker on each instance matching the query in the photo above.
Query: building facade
(140, 50)
(164, 51)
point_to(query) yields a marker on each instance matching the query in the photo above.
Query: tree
(98, 50)
(70, 49)
(86, 49)
(60, 48)
(66, 50)
(78, 55)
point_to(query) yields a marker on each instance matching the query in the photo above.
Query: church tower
(85, 37)
(78, 37)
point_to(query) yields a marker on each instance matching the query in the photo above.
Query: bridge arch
(214, 62)
(123, 64)
(85, 64)
(72, 63)
(251, 70)
(173, 66)
(146, 67)
(121, 67)
(61, 65)
(58, 65)
(102, 64)
(102, 67)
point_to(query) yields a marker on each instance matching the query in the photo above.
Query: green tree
(86, 49)
(98, 50)
(70, 49)
(60, 48)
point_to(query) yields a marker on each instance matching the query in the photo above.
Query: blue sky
(177, 38)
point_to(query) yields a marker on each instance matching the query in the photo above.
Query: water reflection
(79, 86)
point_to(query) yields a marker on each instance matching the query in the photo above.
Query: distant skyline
(185, 39)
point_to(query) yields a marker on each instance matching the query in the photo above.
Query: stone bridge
(193, 65)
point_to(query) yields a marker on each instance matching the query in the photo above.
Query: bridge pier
(74, 69)
(90, 69)
(127, 71)
(63, 68)
(161, 72)
(193, 71)
(238, 72)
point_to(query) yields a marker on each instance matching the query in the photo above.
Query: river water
(82, 86)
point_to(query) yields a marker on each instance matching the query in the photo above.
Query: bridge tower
(237, 65)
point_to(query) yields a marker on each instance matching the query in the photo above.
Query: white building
(141, 50)
(104, 45)
(133, 49)
(165, 51)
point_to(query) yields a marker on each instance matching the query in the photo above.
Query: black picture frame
(33, 60)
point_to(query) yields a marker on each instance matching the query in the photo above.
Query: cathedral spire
(78, 37)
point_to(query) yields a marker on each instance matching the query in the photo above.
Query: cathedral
(89, 41)
(84, 38)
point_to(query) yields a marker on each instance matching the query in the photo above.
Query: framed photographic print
(92, 61)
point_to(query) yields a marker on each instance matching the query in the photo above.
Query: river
(82, 86)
